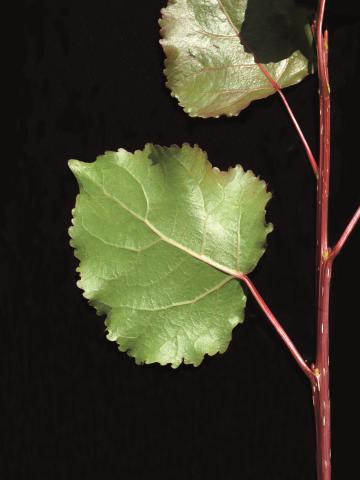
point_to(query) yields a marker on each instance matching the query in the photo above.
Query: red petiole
(293, 119)
(279, 329)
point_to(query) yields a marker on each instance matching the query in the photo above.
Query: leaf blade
(134, 271)
(207, 68)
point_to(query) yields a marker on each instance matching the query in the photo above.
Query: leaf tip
(74, 165)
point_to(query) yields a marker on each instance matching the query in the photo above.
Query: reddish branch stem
(293, 119)
(321, 395)
(325, 258)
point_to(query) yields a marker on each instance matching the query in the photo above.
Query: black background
(88, 79)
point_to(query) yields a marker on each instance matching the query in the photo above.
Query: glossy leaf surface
(210, 47)
(160, 235)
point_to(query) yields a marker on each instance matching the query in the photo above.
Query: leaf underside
(210, 47)
(160, 235)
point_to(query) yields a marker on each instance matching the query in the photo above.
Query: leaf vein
(218, 69)
(141, 186)
(215, 35)
(186, 302)
(221, 5)
(115, 245)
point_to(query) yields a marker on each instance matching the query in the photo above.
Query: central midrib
(170, 241)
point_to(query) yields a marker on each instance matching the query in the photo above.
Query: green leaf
(211, 72)
(160, 236)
